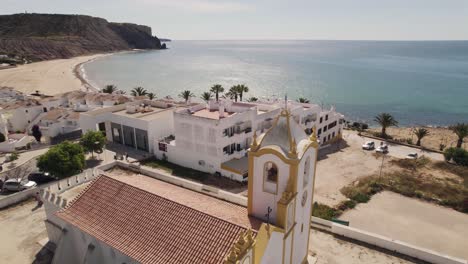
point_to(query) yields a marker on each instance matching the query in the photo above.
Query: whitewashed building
(137, 125)
(215, 137)
(141, 219)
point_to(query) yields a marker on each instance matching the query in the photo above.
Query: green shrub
(62, 160)
(458, 155)
(348, 204)
(361, 198)
(324, 211)
(409, 141)
(448, 154)
(2, 138)
(14, 156)
(442, 147)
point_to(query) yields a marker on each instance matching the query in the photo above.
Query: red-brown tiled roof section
(207, 204)
(147, 227)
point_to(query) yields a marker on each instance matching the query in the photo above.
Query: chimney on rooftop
(221, 110)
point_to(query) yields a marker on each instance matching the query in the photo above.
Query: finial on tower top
(286, 101)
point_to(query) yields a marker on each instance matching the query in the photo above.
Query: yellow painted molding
(240, 248)
(224, 167)
(250, 182)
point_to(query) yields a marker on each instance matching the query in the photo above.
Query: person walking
(38, 199)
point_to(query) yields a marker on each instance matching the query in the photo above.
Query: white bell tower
(281, 183)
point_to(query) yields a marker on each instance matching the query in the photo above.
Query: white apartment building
(215, 137)
(137, 125)
(211, 137)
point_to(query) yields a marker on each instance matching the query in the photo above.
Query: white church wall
(303, 217)
(274, 251)
(287, 249)
(78, 247)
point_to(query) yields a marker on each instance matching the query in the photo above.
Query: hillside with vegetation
(37, 37)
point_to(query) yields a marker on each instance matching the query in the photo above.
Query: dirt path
(419, 223)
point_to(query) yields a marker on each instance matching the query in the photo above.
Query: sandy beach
(49, 77)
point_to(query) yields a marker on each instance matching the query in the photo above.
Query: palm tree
(241, 89)
(233, 93)
(217, 89)
(461, 130)
(252, 99)
(110, 88)
(206, 96)
(186, 95)
(139, 91)
(151, 96)
(420, 133)
(303, 100)
(385, 120)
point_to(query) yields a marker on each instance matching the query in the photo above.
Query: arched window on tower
(306, 171)
(270, 177)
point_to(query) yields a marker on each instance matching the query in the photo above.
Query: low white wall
(7, 146)
(53, 187)
(188, 184)
(17, 197)
(322, 222)
(395, 245)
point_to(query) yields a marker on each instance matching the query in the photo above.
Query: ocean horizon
(419, 82)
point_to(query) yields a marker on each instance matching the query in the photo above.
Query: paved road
(394, 150)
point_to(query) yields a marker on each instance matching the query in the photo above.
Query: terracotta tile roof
(207, 204)
(148, 227)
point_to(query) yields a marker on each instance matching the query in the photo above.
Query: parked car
(369, 145)
(41, 177)
(382, 149)
(15, 185)
(413, 155)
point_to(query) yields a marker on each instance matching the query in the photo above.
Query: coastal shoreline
(48, 77)
(80, 73)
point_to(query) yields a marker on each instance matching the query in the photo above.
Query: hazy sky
(273, 19)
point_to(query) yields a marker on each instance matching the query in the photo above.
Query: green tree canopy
(385, 120)
(62, 160)
(110, 88)
(252, 99)
(217, 89)
(241, 89)
(206, 96)
(151, 96)
(303, 100)
(233, 93)
(93, 141)
(139, 91)
(420, 134)
(186, 95)
(461, 130)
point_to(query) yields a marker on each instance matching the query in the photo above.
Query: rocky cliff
(47, 36)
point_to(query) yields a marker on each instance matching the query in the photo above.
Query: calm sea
(418, 82)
